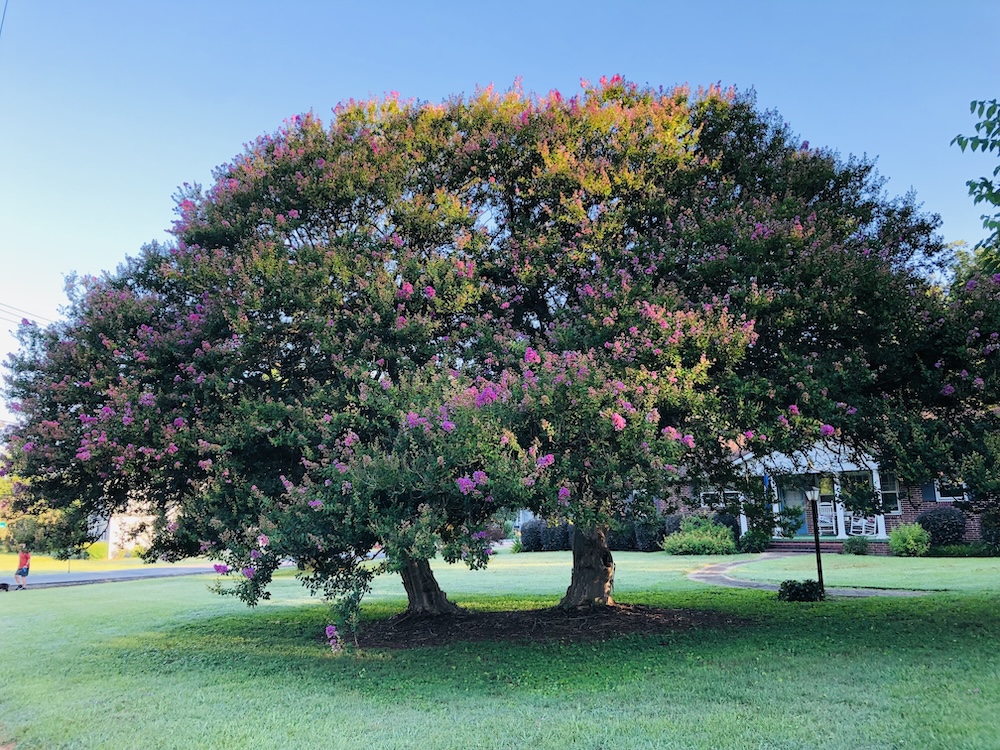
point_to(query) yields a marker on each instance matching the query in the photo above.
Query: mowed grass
(167, 664)
(918, 574)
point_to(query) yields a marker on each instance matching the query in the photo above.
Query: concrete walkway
(718, 574)
(51, 580)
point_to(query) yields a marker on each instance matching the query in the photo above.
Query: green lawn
(919, 574)
(166, 664)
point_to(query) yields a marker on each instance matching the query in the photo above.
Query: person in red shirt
(23, 561)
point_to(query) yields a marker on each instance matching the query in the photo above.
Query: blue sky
(107, 106)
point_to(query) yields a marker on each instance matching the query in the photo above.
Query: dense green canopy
(387, 330)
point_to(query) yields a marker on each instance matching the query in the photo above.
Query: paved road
(50, 580)
(718, 574)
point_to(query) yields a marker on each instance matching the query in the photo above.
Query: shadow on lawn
(735, 632)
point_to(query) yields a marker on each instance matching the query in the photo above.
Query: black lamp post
(813, 495)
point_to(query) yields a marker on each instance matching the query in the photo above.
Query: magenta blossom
(618, 421)
(531, 356)
(221, 568)
(827, 430)
(465, 485)
(547, 460)
(248, 572)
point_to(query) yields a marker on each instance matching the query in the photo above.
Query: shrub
(755, 540)
(621, 536)
(516, 547)
(556, 537)
(672, 523)
(909, 540)
(531, 535)
(494, 532)
(801, 591)
(946, 525)
(728, 520)
(990, 530)
(649, 534)
(700, 536)
(98, 551)
(968, 549)
(857, 545)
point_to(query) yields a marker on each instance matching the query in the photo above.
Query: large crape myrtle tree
(387, 329)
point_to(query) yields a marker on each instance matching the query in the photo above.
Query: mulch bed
(538, 625)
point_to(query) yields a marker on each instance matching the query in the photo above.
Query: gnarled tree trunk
(423, 594)
(593, 570)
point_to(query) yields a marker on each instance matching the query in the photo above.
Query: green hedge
(700, 536)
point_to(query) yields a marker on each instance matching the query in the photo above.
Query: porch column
(880, 517)
(841, 529)
(744, 526)
(880, 527)
(776, 509)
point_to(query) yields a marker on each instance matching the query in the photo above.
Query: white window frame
(723, 495)
(938, 497)
(898, 508)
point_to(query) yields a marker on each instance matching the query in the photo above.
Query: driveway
(50, 580)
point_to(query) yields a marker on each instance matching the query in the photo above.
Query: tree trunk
(423, 594)
(593, 570)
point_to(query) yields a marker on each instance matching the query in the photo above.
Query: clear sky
(107, 106)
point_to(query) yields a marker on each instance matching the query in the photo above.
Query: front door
(793, 497)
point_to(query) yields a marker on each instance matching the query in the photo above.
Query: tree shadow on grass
(549, 651)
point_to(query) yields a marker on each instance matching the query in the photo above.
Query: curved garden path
(718, 574)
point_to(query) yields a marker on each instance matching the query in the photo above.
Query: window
(949, 492)
(716, 499)
(890, 493)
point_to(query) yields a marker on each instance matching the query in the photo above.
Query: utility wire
(4, 16)
(10, 309)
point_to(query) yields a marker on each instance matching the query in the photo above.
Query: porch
(827, 546)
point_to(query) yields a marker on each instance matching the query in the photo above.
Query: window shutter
(927, 493)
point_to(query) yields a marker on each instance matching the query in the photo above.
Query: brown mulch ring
(537, 625)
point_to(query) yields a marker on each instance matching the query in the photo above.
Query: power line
(10, 309)
(4, 16)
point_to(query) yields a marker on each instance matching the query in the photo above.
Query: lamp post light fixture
(812, 494)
